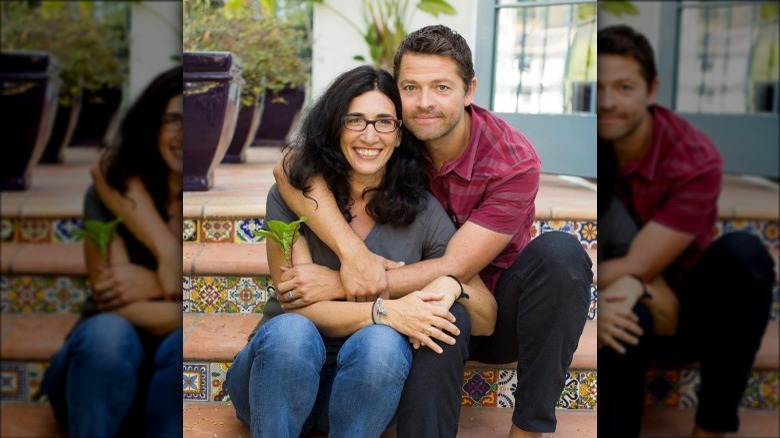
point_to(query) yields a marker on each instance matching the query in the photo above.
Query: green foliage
(285, 235)
(268, 46)
(386, 23)
(90, 50)
(618, 7)
(100, 233)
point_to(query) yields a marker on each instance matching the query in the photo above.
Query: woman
(119, 371)
(348, 361)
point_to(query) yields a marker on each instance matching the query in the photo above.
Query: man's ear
(470, 92)
(652, 92)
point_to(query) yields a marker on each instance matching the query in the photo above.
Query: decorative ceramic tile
(571, 390)
(763, 390)
(35, 231)
(775, 310)
(507, 385)
(535, 227)
(480, 388)
(13, 381)
(244, 229)
(7, 227)
(217, 374)
(64, 229)
(593, 309)
(64, 294)
(218, 230)
(245, 294)
(195, 380)
(185, 288)
(663, 388)
(588, 234)
(558, 225)
(689, 387)
(770, 231)
(25, 293)
(5, 299)
(35, 372)
(190, 230)
(588, 390)
(208, 294)
(748, 226)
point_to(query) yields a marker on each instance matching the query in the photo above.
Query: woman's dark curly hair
(138, 153)
(316, 150)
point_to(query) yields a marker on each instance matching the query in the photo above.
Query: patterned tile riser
(42, 293)
(676, 389)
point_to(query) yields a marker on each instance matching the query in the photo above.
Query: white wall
(647, 22)
(155, 36)
(336, 42)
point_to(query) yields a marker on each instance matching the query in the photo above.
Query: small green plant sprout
(285, 235)
(100, 233)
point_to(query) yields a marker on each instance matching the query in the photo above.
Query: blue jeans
(107, 375)
(280, 386)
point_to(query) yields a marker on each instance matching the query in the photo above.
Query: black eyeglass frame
(396, 122)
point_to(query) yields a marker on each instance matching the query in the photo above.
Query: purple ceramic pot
(212, 88)
(30, 83)
(244, 135)
(279, 116)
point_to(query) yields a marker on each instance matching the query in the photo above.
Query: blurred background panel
(718, 68)
(89, 61)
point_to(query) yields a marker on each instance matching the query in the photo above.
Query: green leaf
(618, 7)
(100, 233)
(436, 7)
(285, 235)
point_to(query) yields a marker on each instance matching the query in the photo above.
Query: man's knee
(742, 254)
(562, 253)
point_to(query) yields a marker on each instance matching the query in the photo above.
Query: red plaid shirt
(676, 183)
(492, 184)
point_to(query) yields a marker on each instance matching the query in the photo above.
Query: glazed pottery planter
(64, 124)
(246, 128)
(212, 89)
(278, 117)
(98, 120)
(30, 83)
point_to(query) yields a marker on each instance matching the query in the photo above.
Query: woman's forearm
(154, 317)
(337, 318)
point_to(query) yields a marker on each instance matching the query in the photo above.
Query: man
(662, 289)
(486, 175)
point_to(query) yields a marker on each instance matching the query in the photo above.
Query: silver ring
(289, 296)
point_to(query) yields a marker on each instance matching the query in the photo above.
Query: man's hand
(308, 283)
(122, 284)
(363, 275)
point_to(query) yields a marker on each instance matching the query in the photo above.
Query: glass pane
(728, 59)
(545, 59)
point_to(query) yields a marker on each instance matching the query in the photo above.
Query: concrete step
(207, 420)
(674, 423)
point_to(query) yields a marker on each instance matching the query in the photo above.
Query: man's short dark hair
(624, 40)
(438, 40)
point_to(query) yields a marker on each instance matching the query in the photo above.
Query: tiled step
(29, 420)
(211, 340)
(673, 423)
(216, 420)
(43, 258)
(218, 337)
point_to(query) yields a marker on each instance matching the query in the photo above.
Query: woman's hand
(122, 284)
(308, 283)
(419, 316)
(617, 323)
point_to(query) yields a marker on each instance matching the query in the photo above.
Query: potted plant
(386, 23)
(266, 45)
(87, 49)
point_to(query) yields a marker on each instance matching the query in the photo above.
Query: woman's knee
(169, 352)
(290, 334)
(377, 347)
(105, 335)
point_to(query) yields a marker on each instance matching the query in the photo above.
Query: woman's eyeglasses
(171, 121)
(380, 125)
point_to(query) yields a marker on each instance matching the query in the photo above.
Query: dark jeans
(543, 301)
(725, 301)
